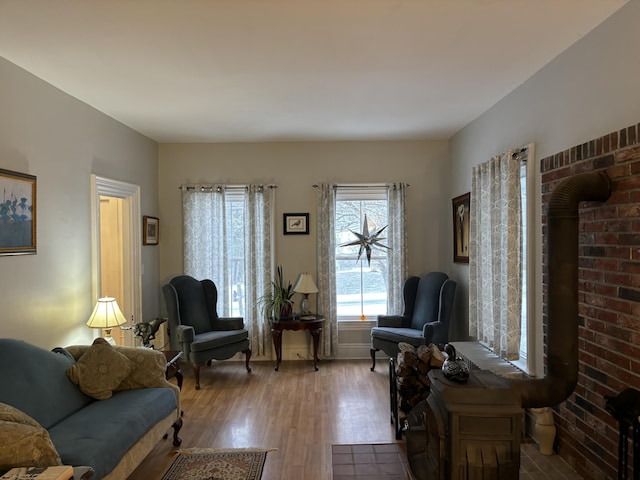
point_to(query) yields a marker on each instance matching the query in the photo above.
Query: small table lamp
(106, 315)
(305, 285)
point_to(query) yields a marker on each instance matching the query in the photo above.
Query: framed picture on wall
(150, 230)
(461, 206)
(17, 213)
(296, 223)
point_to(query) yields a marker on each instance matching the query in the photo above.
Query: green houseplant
(278, 302)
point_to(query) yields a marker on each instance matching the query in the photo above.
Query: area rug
(210, 464)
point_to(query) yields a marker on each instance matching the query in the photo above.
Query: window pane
(235, 247)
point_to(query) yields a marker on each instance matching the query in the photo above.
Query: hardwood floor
(298, 412)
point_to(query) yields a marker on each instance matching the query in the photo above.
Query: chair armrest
(185, 333)
(433, 332)
(395, 321)
(230, 323)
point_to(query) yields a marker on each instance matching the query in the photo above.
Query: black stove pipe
(562, 290)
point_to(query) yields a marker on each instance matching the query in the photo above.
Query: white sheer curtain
(397, 241)
(258, 263)
(326, 264)
(205, 241)
(495, 255)
(207, 250)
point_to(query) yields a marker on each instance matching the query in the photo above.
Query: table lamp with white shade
(305, 285)
(106, 315)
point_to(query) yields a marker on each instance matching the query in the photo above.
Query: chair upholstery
(195, 327)
(428, 302)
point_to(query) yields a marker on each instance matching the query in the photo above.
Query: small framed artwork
(461, 228)
(150, 230)
(17, 213)
(296, 223)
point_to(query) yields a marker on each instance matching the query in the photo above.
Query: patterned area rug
(210, 464)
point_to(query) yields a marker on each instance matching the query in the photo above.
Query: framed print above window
(295, 223)
(17, 213)
(461, 228)
(150, 230)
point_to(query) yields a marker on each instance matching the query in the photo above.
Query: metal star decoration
(367, 240)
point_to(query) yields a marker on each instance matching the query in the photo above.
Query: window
(235, 290)
(523, 319)
(361, 288)
(502, 258)
(223, 227)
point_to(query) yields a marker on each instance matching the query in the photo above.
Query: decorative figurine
(146, 330)
(454, 368)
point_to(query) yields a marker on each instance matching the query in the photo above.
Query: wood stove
(473, 430)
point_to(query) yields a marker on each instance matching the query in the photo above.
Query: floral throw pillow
(100, 370)
(23, 442)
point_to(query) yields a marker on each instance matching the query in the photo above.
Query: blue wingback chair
(428, 302)
(195, 327)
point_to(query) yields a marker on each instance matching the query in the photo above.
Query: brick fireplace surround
(609, 296)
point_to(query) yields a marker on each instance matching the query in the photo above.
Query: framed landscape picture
(17, 213)
(461, 228)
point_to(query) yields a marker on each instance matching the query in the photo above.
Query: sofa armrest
(395, 321)
(149, 367)
(149, 371)
(229, 323)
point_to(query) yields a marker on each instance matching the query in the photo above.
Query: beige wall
(295, 168)
(46, 298)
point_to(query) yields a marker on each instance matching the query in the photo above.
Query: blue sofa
(102, 406)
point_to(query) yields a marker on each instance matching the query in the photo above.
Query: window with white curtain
(361, 288)
(501, 277)
(366, 289)
(227, 234)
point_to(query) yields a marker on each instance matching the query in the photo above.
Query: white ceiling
(282, 70)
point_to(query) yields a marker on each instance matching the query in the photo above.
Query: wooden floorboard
(296, 411)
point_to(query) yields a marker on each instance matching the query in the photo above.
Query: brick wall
(609, 295)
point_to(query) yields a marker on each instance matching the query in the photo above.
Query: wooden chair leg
(247, 353)
(196, 373)
(373, 357)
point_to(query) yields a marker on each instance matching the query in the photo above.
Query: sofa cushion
(100, 370)
(39, 383)
(24, 442)
(102, 433)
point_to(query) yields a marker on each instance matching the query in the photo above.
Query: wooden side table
(173, 366)
(313, 323)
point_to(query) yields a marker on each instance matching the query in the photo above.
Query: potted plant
(278, 302)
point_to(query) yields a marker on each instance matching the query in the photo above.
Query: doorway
(116, 250)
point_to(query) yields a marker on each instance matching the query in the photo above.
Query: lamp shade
(305, 284)
(106, 314)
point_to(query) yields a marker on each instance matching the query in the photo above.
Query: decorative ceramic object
(454, 368)
(544, 430)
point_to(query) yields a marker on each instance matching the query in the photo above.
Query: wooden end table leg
(277, 344)
(315, 333)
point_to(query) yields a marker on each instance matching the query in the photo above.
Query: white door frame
(132, 240)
